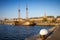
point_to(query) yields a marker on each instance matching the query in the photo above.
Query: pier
(52, 35)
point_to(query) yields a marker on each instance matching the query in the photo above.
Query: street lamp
(43, 33)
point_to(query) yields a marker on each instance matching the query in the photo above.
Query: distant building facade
(58, 19)
(37, 19)
(50, 19)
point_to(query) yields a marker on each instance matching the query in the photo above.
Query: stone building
(50, 19)
(58, 19)
(37, 19)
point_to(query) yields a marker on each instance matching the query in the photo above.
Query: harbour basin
(12, 32)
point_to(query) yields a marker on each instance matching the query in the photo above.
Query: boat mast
(19, 11)
(26, 11)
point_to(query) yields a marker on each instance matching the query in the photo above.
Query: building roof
(50, 16)
(58, 17)
(34, 18)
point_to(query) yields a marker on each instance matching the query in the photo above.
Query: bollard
(43, 33)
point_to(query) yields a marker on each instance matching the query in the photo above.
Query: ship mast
(26, 11)
(19, 12)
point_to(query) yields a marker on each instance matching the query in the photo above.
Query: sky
(36, 8)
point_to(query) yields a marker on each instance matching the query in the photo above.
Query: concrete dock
(55, 35)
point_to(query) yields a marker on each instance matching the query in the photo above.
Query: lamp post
(43, 33)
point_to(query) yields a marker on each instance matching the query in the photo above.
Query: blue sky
(36, 8)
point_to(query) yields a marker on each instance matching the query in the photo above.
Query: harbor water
(12, 32)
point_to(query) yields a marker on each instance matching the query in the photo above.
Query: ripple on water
(11, 32)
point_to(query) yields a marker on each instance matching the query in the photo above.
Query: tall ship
(24, 22)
